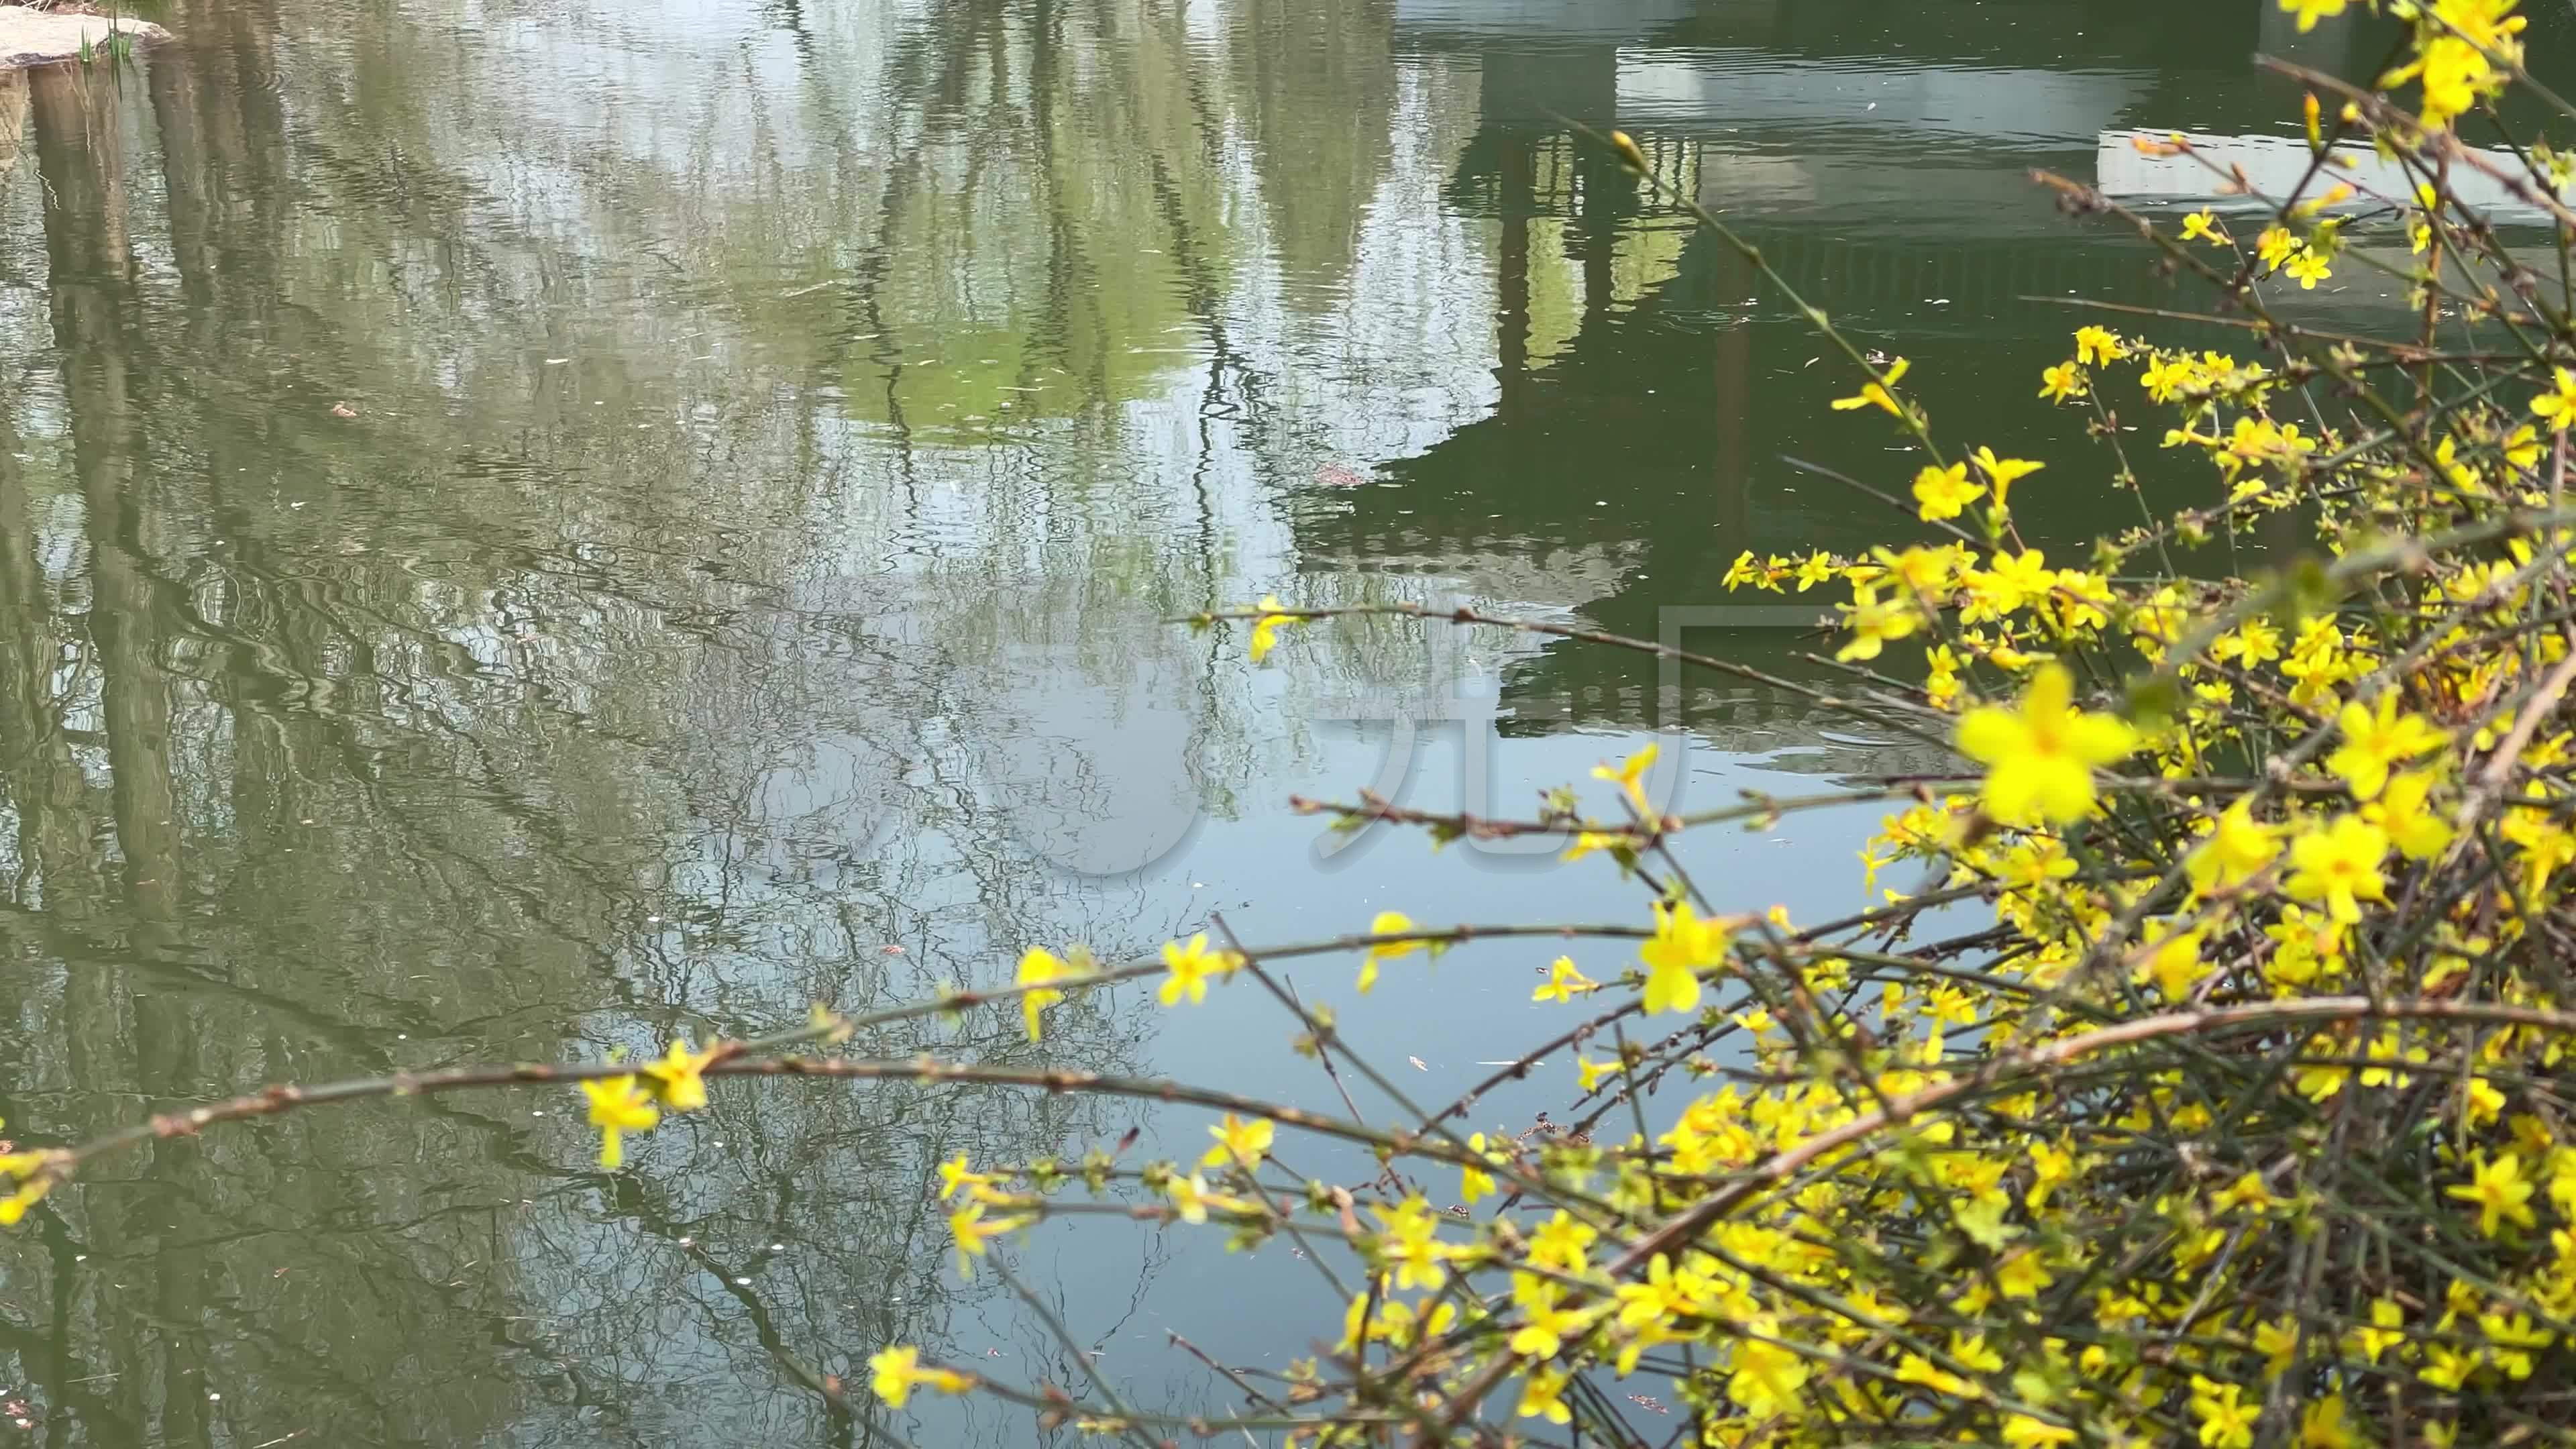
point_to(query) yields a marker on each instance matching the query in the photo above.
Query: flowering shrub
(2235, 1117)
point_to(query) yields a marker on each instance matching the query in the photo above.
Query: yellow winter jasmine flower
(1875, 392)
(13, 1208)
(1942, 492)
(1874, 621)
(2040, 757)
(2011, 581)
(1588, 841)
(1191, 1198)
(1588, 1074)
(2225, 1421)
(894, 1372)
(1768, 1374)
(2499, 1190)
(2278, 1342)
(1265, 630)
(1941, 678)
(2023, 1274)
(2308, 268)
(2373, 742)
(2322, 1424)
(1914, 1368)
(2449, 1368)
(1474, 1182)
(1818, 567)
(2338, 864)
(1563, 982)
(2251, 643)
(2403, 809)
(679, 1073)
(2004, 472)
(973, 1230)
(1549, 1323)
(2021, 1431)
(2099, 345)
(2174, 965)
(2386, 1330)
(2310, 11)
(1192, 967)
(2061, 381)
(2275, 245)
(1682, 944)
(2557, 407)
(618, 1106)
(1036, 966)
(1630, 777)
(1543, 1396)
(954, 1175)
(2203, 225)
(1387, 923)
(1239, 1142)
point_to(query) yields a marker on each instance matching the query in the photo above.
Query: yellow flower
(1588, 841)
(2099, 345)
(1630, 777)
(2308, 268)
(13, 1208)
(2021, 1431)
(1874, 393)
(2339, 865)
(2404, 810)
(2023, 1274)
(1475, 1182)
(2203, 225)
(1192, 967)
(2309, 11)
(1543, 1395)
(2557, 407)
(1874, 621)
(1239, 1142)
(2005, 472)
(1388, 923)
(2234, 849)
(894, 1372)
(2061, 381)
(1682, 944)
(2387, 1329)
(683, 1086)
(618, 1106)
(1942, 492)
(954, 1175)
(1265, 630)
(2275, 245)
(2373, 742)
(1191, 1198)
(2225, 1421)
(2498, 1189)
(1037, 966)
(1563, 982)
(2040, 758)
(2321, 1424)
(1767, 1374)
(973, 1230)
(1588, 1074)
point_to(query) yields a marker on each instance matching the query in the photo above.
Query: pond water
(530, 528)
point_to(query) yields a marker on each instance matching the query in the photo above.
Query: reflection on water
(523, 531)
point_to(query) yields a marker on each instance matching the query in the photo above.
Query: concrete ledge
(37, 37)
